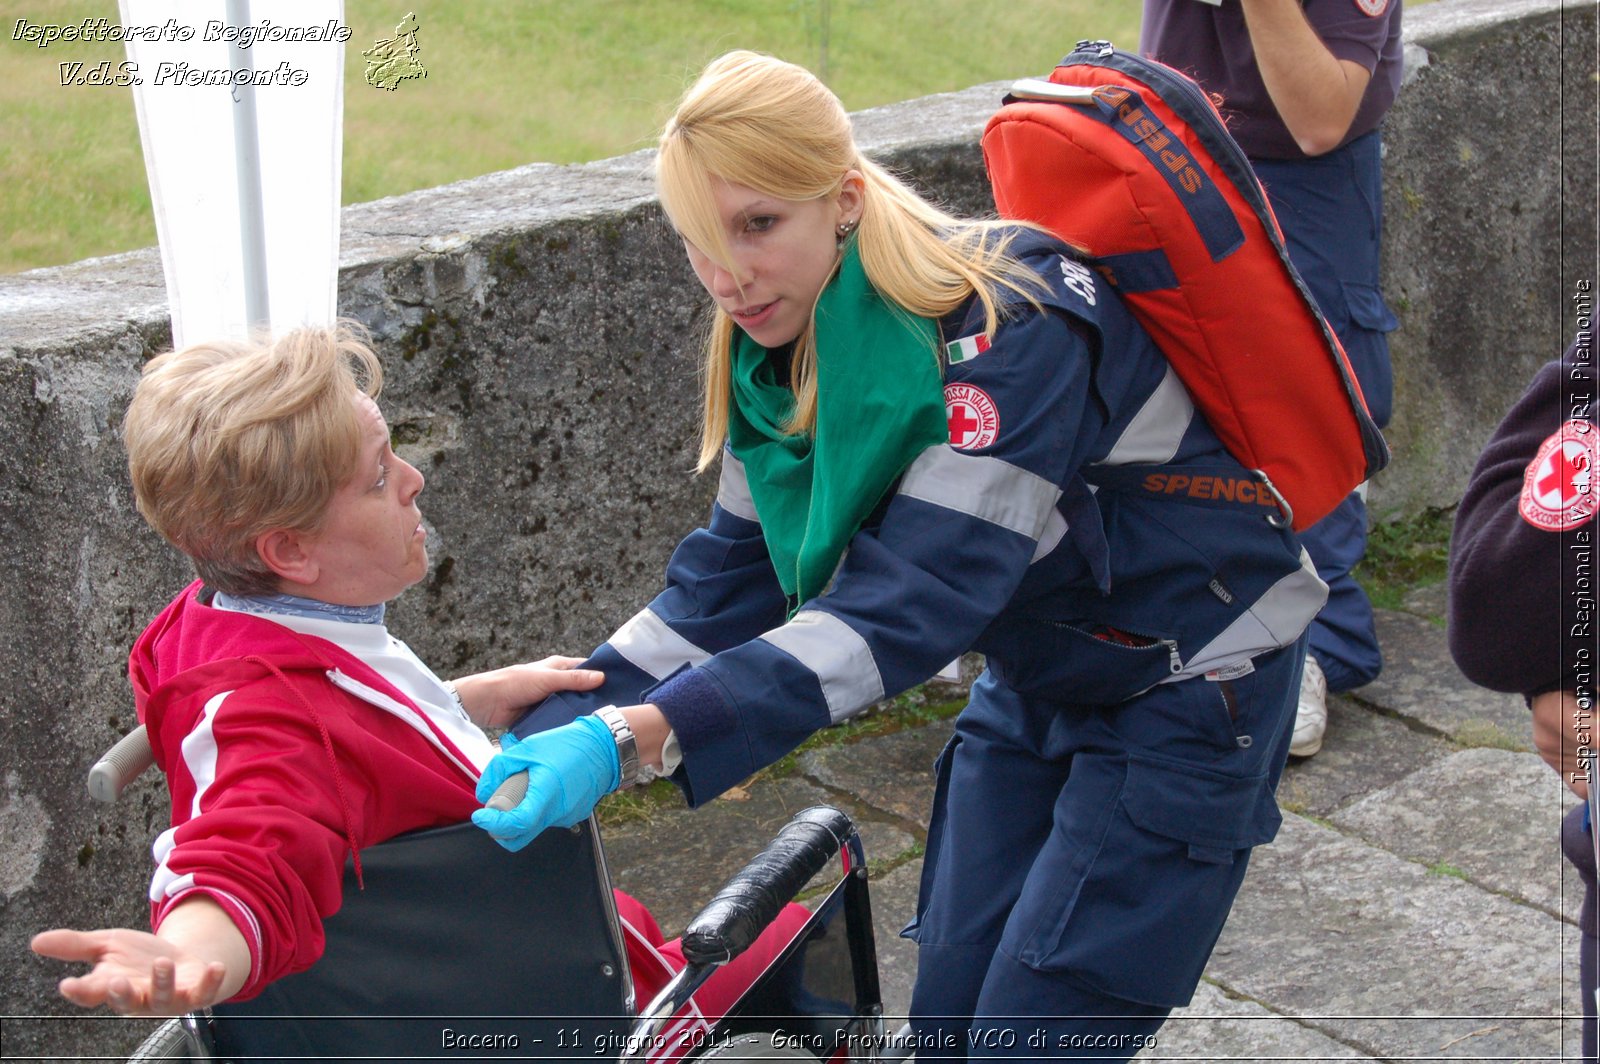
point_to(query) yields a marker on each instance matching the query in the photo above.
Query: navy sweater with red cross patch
(1030, 536)
(1522, 558)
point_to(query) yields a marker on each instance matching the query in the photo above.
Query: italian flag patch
(966, 347)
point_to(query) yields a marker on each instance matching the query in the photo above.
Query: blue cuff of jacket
(694, 705)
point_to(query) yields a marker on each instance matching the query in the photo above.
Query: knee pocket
(1131, 892)
(1363, 330)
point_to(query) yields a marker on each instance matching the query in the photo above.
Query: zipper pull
(1102, 48)
(1172, 653)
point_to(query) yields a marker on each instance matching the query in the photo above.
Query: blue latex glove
(569, 768)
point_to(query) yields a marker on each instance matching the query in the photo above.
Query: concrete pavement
(1414, 906)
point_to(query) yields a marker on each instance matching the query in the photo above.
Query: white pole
(244, 178)
(247, 172)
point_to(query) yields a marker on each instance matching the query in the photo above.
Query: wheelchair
(457, 948)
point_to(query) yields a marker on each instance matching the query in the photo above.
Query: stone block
(1362, 751)
(1421, 685)
(1472, 814)
(1386, 957)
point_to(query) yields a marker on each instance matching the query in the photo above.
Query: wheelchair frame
(819, 999)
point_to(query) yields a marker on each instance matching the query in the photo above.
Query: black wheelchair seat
(456, 948)
(453, 946)
(449, 946)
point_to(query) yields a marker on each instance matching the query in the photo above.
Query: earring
(844, 229)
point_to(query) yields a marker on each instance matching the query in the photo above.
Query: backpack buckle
(1285, 515)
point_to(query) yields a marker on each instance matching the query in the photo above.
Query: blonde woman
(936, 436)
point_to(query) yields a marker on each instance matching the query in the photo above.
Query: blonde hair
(771, 126)
(229, 440)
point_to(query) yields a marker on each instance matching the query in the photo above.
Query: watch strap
(627, 746)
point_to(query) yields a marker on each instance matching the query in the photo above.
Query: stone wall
(539, 328)
(1489, 189)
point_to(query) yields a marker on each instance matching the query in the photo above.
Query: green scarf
(880, 403)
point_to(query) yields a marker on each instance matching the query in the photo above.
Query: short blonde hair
(771, 126)
(229, 440)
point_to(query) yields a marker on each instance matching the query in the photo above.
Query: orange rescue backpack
(1129, 161)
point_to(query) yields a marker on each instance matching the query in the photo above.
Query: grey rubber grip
(509, 794)
(121, 765)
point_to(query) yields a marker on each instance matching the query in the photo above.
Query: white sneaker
(1311, 719)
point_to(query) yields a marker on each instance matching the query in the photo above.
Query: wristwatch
(627, 747)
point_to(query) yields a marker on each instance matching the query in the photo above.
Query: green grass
(638, 805)
(509, 82)
(909, 710)
(1405, 554)
(1487, 734)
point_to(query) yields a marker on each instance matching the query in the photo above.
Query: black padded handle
(752, 898)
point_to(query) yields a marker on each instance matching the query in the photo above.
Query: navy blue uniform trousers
(1331, 211)
(1082, 860)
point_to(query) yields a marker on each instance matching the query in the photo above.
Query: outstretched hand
(134, 972)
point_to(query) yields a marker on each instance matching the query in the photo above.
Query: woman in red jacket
(293, 729)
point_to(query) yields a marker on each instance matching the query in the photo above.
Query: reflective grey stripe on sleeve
(1156, 430)
(733, 489)
(982, 487)
(1055, 530)
(1275, 620)
(841, 659)
(647, 642)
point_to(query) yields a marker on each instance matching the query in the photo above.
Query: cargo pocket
(1136, 917)
(1366, 345)
(936, 818)
(1209, 812)
(1367, 308)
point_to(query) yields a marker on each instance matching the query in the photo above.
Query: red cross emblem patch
(1559, 489)
(974, 419)
(1372, 8)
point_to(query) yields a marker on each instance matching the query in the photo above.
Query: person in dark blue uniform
(930, 433)
(1304, 86)
(1522, 591)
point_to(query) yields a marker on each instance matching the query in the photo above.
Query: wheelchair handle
(121, 765)
(752, 899)
(510, 793)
